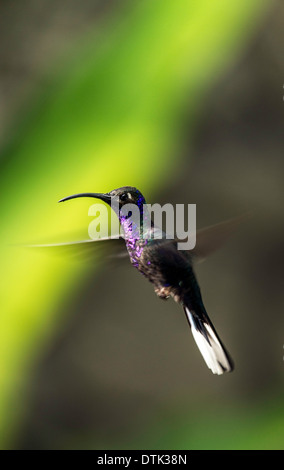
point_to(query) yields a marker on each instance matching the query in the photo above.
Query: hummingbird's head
(128, 195)
(120, 196)
(124, 201)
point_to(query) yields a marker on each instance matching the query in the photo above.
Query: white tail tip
(209, 344)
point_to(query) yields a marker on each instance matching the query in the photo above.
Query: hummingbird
(170, 269)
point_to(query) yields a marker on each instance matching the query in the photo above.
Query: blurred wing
(84, 249)
(208, 240)
(212, 238)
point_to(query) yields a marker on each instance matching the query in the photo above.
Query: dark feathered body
(169, 269)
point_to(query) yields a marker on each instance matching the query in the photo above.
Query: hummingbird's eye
(123, 197)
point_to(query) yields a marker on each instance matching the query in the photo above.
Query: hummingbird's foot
(163, 292)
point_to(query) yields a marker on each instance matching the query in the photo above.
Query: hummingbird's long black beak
(104, 197)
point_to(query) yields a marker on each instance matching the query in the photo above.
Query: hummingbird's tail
(208, 342)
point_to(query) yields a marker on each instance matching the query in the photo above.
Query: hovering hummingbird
(170, 269)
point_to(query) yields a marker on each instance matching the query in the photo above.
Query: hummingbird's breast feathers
(167, 268)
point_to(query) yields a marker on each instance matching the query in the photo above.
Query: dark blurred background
(121, 370)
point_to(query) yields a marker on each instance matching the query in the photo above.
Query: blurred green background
(184, 100)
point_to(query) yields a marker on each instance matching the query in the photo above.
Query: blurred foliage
(110, 116)
(259, 427)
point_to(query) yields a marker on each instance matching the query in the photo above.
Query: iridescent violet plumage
(136, 237)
